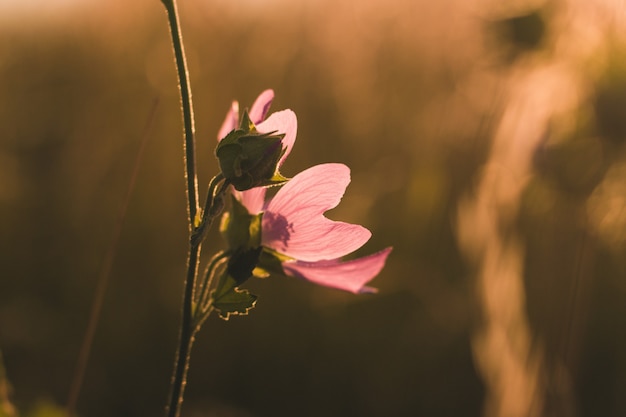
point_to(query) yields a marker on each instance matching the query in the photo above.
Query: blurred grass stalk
(509, 356)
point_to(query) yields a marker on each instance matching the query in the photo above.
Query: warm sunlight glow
(607, 207)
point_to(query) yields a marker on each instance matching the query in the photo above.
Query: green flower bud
(240, 229)
(242, 264)
(248, 158)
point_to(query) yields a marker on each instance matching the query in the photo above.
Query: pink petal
(294, 224)
(252, 199)
(348, 276)
(261, 106)
(231, 121)
(286, 122)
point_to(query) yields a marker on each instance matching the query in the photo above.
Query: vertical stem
(187, 333)
(186, 330)
(189, 326)
(187, 108)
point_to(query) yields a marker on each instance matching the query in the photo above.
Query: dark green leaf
(234, 302)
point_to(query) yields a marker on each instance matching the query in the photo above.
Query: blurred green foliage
(405, 95)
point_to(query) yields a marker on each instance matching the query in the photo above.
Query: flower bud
(240, 229)
(249, 158)
(242, 264)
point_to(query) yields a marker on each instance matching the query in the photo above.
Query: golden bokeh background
(487, 146)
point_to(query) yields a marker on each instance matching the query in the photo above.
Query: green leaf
(234, 302)
(229, 300)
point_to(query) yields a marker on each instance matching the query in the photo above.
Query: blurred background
(486, 142)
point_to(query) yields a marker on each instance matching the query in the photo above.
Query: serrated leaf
(234, 302)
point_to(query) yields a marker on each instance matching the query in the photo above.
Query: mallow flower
(290, 234)
(295, 236)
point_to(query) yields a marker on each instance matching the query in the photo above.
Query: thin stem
(187, 333)
(205, 284)
(187, 108)
(210, 211)
(188, 325)
(186, 329)
(212, 194)
(203, 299)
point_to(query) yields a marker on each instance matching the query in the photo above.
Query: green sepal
(261, 273)
(228, 300)
(246, 124)
(250, 159)
(269, 262)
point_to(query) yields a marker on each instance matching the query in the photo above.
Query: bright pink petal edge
(257, 113)
(261, 106)
(348, 276)
(286, 122)
(230, 122)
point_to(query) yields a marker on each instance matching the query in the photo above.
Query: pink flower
(293, 222)
(294, 225)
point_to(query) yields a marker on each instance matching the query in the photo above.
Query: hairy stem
(187, 331)
(202, 296)
(187, 108)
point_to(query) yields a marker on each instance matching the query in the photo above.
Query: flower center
(277, 229)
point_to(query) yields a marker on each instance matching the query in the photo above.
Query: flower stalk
(187, 328)
(187, 108)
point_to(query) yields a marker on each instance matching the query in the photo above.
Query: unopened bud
(248, 158)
